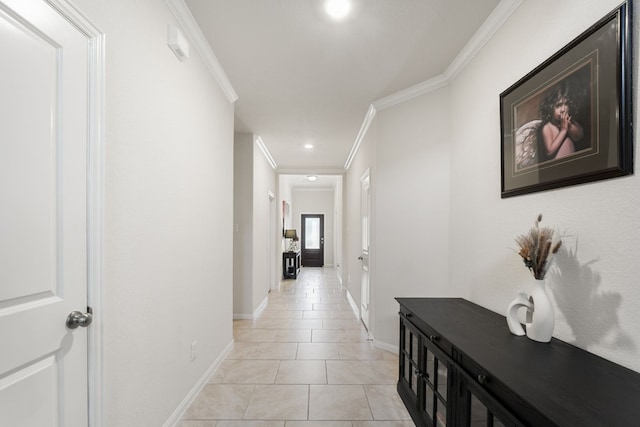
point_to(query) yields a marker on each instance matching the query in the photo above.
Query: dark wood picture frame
(569, 121)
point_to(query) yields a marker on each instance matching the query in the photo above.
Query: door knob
(78, 318)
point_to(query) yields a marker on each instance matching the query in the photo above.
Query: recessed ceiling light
(308, 146)
(337, 9)
(312, 178)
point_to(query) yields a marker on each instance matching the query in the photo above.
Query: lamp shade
(290, 234)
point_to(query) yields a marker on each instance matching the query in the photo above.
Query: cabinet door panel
(484, 410)
(435, 394)
(441, 414)
(429, 404)
(442, 375)
(481, 416)
(409, 381)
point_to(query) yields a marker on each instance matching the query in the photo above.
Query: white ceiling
(300, 182)
(302, 77)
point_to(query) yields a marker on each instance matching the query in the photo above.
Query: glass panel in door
(481, 416)
(312, 240)
(312, 233)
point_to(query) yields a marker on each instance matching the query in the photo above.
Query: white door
(364, 257)
(271, 250)
(43, 216)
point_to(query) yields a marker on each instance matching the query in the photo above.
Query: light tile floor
(306, 361)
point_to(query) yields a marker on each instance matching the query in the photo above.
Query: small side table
(290, 265)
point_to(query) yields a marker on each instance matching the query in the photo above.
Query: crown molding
(371, 113)
(412, 92)
(188, 23)
(491, 25)
(265, 152)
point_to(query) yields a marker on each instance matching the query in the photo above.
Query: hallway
(304, 362)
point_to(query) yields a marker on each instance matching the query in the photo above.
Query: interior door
(43, 221)
(271, 242)
(365, 209)
(312, 240)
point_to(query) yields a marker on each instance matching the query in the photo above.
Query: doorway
(312, 240)
(271, 242)
(364, 257)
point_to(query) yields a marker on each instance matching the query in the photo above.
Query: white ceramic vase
(543, 321)
(514, 324)
(540, 319)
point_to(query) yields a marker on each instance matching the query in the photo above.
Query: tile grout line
(248, 403)
(326, 372)
(308, 401)
(366, 395)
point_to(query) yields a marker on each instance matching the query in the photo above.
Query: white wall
(412, 208)
(243, 226)
(451, 137)
(596, 287)
(167, 213)
(316, 201)
(264, 182)
(352, 227)
(254, 180)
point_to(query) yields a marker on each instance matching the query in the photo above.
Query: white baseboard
(255, 314)
(191, 396)
(386, 346)
(240, 316)
(353, 304)
(261, 307)
(380, 344)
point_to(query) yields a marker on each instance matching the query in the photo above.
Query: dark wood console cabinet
(290, 264)
(460, 366)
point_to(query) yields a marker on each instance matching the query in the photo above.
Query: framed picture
(569, 121)
(286, 216)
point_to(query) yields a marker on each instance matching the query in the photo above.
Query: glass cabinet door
(409, 353)
(481, 416)
(482, 410)
(434, 396)
(424, 376)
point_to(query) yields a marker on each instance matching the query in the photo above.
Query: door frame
(302, 235)
(365, 178)
(95, 202)
(271, 241)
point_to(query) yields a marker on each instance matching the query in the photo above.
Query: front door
(44, 128)
(312, 240)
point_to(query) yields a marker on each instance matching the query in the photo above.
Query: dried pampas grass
(537, 248)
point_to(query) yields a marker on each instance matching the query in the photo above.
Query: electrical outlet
(194, 350)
